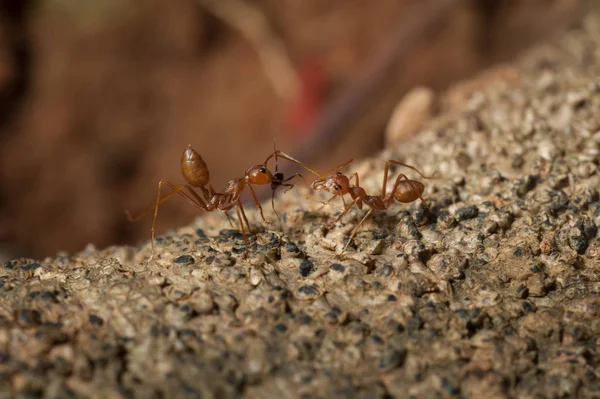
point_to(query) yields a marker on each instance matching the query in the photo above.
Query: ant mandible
(404, 190)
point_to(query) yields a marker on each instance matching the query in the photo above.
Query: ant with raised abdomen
(404, 190)
(196, 174)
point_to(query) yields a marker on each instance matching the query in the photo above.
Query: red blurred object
(304, 109)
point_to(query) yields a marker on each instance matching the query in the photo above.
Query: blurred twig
(253, 25)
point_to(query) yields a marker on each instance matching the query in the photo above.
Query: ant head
(259, 174)
(337, 184)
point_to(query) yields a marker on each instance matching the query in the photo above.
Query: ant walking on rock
(197, 177)
(404, 190)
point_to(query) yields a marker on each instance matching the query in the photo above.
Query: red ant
(196, 174)
(404, 191)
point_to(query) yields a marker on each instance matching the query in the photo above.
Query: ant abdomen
(193, 168)
(409, 191)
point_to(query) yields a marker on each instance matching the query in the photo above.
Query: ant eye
(337, 187)
(262, 170)
(338, 173)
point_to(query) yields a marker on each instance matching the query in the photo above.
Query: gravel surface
(492, 292)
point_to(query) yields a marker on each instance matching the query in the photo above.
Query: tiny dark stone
(34, 294)
(414, 232)
(445, 220)
(200, 233)
(239, 250)
(398, 327)
(589, 229)
(449, 387)
(377, 339)
(50, 324)
(527, 307)
(306, 320)
(95, 320)
(306, 268)
(9, 265)
(154, 331)
(391, 359)
(392, 298)
(535, 269)
(525, 185)
(312, 289)
(557, 206)
(30, 316)
(271, 299)
(380, 235)
(523, 291)
(184, 259)
(462, 313)
(48, 296)
(338, 267)
(231, 234)
(4, 357)
(578, 243)
(209, 260)
(186, 332)
(385, 270)
(281, 328)
(467, 212)
(331, 318)
(291, 248)
(518, 252)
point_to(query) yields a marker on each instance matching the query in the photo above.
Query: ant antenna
(276, 177)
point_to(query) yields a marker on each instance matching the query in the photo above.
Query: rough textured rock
(492, 292)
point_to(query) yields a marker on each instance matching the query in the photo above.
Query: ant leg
(390, 198)
(354, 231)
(330, 224)
(244, 216)
(237, 209)
(285, 156)
(291, 185)
(176, 190)
(330, 171)
(425, 203)
(322, 202)
(258, 204)
(273, 205)
(385, 173)
(228, 218)
(355, 176)
(412, 168)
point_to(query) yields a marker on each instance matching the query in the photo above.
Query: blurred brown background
(99, 98)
